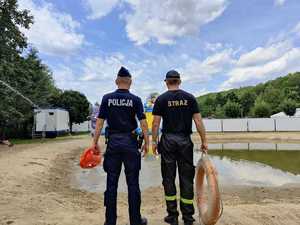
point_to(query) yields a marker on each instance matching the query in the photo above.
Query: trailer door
(51, 121)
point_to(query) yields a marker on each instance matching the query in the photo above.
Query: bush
(261, 109)
(289, 107)
(232, 110)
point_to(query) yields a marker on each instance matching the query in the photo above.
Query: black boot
(144, 221)
(171, 220)
(189, 222)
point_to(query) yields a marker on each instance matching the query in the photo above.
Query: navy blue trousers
(122, 149)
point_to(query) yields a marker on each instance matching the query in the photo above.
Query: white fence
(251, 125)
(288, 124)
(81, 127)
(252, 146)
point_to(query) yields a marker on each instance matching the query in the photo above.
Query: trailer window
(51, 113)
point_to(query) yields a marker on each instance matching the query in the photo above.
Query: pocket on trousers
(105, 198)
(105, 163)
(159, 147)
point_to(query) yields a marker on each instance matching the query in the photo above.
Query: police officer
(177, 108)
(120, 109)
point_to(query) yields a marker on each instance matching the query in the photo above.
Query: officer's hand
(145, 150)
(204, 147)
(154, 148)
(97, 149)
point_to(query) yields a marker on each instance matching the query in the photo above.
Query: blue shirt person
(122, 110)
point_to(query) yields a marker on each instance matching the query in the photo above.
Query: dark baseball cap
(172, 74)
(123, 72)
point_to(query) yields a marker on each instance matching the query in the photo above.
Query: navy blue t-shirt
(121, 109)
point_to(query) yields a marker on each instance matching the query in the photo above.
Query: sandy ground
(35, 189)
(238, 137)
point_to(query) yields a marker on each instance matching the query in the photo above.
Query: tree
(247, 100)
(232, 109)
(261, 109)
(220, 99)
(273, 93)
(75, 103)
(12, 40)
(219, 112)
(208, 107)
(31, 78)
(231, 96)
(289, 107)
(273, 97)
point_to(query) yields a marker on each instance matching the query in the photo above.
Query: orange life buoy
(209, 210)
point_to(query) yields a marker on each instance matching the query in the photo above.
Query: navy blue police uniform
(120, 109)
(177, 108)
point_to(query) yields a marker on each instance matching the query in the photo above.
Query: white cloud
(213, 46)
(297, 29)
(53, 32)
(278, 57)
(95, 76)
(161, 21)
(100, 68)
(164, 21)
(201, 71)
(286, 63)
(100, 8)
(279, 2)
(262, 55)
(64, 77)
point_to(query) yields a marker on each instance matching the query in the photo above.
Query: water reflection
(234, 168)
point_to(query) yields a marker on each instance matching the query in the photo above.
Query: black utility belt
(122, 134)
(177, 134)
(134, 135)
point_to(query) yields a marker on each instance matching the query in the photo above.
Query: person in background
(177, 109)
(3, 138)
(120, 109)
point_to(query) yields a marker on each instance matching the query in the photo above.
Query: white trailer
(52, 122)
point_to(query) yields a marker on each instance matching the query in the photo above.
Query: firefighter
(177, 109)
(120, 109)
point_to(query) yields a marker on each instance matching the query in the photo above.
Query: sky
(215, 45)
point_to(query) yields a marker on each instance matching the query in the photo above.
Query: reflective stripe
(171, 198)
(187, 201)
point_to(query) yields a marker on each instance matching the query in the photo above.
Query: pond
(235, 167)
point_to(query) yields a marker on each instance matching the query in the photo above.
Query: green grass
(283, 160)
(46, 140)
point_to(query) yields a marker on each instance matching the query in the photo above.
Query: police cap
(123, 72)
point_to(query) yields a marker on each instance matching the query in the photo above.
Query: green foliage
(247, 100)
(271, 94)
(31, 78)
(220, 99)
(232, 96)
(22, 69)
(232, 109)
(12, 41)
(208, 107)
(261, 109)
(219, 113)
(289, 107)
(273, 97)
(76, 103)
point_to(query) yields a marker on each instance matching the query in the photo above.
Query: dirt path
(35, 190)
